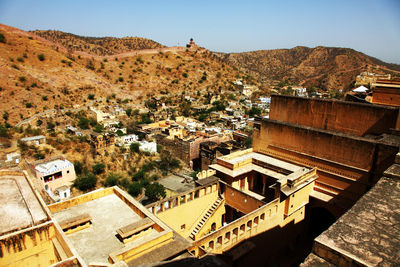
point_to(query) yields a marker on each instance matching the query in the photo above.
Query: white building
(150, 147)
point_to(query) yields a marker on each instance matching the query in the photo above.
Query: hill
(97, 46)
(324, 67)
(37, 75)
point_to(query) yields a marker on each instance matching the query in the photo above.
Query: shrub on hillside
(155, 191)
(41, 57)
(2, 38)
(98, 168)
(135, 189)
(86, 182)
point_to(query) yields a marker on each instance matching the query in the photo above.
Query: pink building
(56, 176)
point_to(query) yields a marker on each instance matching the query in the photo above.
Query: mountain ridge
(321, 66)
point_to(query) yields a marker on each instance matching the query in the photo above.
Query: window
(68, 171)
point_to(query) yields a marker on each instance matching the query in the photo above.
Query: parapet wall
(339, 148)
(333, 115)
(346, 165)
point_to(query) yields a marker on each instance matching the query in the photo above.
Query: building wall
(338, 116)
(346, 165)
(33, 247)
(187, 214)
(68, 177)
(275, 213)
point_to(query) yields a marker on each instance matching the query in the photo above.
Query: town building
(126, 140)
(34, 140)
(101, 140)
(29, 236)
(56, 176)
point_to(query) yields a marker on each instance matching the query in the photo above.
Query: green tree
(112, 179)
(2, 38)
(248, 142)
(140, 175)
(78, 167)
(155, 191)
(83, 123)
(134, 147)
(128, 112)
(135, 189)
(41, 57)
(98, 168)
(86, 182)
(4, 131)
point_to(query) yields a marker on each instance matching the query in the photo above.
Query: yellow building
(257, 193)
(28, 234)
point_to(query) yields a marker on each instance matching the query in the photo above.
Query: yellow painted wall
(30, 248)
(187, 213)
(215, 218)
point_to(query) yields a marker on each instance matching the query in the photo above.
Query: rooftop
(368, 234)
(176, 184)
(32, 138)
(52, 166)
(120, 228)
(243, 161)
(109, 213)
(19, 206)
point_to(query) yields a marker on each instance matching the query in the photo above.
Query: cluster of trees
(87, 178)
(143, 179)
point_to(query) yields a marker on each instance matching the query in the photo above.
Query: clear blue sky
(369, 26)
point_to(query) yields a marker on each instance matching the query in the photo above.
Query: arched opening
(213, 226)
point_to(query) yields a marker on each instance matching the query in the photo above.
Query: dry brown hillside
(98, 46)
(325, 67)
(37, 75)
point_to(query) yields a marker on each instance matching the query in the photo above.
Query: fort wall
(333, 115)
(346, 165)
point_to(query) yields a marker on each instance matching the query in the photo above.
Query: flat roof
(52, 166)
(108, 214)
(369, 232)
(32, 138)
(174, 183)
(19, 206)
(236, 158)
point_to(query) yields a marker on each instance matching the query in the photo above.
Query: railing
(203, 214)
(249, 225)
(183, 198)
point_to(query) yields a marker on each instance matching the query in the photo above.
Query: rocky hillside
(98, 46)
(38, 75)
(324, 67)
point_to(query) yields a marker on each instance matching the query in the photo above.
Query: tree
(140, 175)
(155, 191)
(2, 38)
(78, 167)
(112, 179)
(254, 111)
(248, 142)
(41, 57)
(135, 189)
(128, 112)
(134, 147)
(86, 182)
(4, 131)
(83, 123)
(98, 168)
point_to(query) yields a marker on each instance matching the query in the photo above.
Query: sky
(368, 26)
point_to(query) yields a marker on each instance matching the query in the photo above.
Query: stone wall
(340, 116)
(347, 165)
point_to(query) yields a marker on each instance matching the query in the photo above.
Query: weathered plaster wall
(341, 116)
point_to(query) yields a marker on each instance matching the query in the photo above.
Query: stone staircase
(204, 218)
